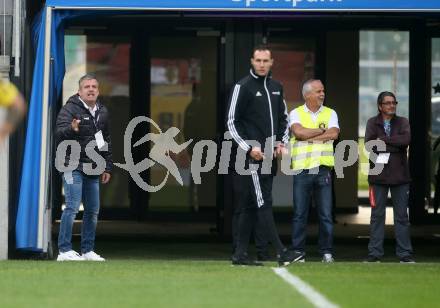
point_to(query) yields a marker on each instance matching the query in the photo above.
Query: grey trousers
(399, 196)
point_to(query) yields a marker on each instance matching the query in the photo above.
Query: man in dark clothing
(256, 112)
(85, 122)
(395, 132)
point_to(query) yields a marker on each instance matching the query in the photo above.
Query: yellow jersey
(8, 93)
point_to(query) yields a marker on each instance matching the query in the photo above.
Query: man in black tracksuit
(256, 112)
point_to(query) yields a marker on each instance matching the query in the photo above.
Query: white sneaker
(70, 255)
(327, 258)
(92, 256)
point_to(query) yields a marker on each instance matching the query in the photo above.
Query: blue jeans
(319, 186)
(77, 187)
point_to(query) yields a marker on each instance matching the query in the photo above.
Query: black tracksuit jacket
(88, 127)
(257, 111)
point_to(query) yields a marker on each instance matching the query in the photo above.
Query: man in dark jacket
(257, 112)
(395, 132)
(84, 121)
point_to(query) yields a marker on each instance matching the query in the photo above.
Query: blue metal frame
(249, 5)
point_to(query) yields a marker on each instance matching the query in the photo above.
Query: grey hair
(86, 77)
(307, 86)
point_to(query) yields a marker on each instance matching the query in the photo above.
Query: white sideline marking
(317, 299)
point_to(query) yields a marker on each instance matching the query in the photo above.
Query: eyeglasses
(389, 103)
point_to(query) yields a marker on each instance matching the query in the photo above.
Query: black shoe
(263, 256)
(407, 259)
(235, 256)
(245, 261)
(372, 259)
(289, 256)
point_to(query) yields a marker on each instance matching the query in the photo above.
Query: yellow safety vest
(8, 93)
(311, 154)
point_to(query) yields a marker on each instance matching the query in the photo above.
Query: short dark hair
(261, 47)
(382, 96)
(86, 77)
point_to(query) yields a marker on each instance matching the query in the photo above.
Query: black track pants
(253, 195)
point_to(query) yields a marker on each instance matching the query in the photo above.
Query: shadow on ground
(211, 248)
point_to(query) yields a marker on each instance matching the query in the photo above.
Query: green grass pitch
(199, 275)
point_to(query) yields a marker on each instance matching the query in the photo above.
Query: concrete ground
(151, 239)
(347, 226)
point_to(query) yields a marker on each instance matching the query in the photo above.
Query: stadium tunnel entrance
(178, 68)
(178, 72)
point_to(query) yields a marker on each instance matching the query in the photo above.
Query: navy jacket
(88, 127)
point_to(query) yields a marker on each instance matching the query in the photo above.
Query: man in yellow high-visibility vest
(313, 127)
(13, 102)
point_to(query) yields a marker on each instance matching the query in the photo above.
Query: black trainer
(372, 259)
(263, 256)
(289, 256)
(245, 261)
(407, 259)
